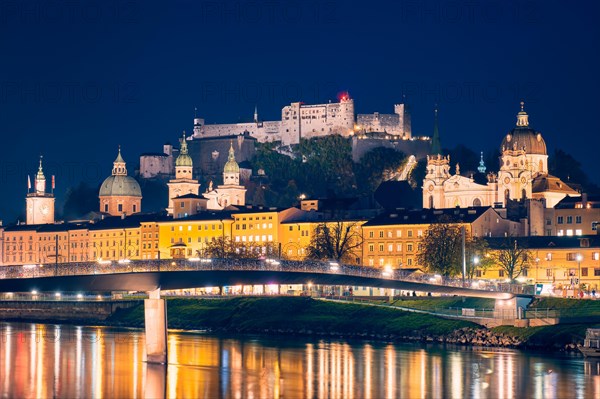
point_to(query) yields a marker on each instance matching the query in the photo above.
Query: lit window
(569, 232)
(578, 232)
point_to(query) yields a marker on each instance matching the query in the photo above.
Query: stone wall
(61, 310)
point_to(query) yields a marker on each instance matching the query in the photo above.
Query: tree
(375, 165)
(441, 248)
(477, 247)
(338, 240)
(224, 247)
(512, 258)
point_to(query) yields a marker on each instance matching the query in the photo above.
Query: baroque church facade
(523, 174)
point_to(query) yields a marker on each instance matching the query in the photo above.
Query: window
(120, 208)
(105, 207)
(500, 273)
(399, 247)
(409, 261)
(390, 247)
(569, 219)
(548, 272)
(134, 208)
(571, 256)
(596, 272)
(380, 247)
(569, 232)
(398, 233)
(381, 234)
(596, 256)
(410, 233)
(584, 272)
(409, 247)
(578, 219)
(548, 222)
(559, 220)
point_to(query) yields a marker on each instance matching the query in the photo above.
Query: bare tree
(512, 258)
(338, 240)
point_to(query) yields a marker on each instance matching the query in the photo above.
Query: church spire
(436, 146)
(255, 114)
(481, 168)
(40, 179)
(522, 117)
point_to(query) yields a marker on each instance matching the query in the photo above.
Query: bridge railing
(204, 264)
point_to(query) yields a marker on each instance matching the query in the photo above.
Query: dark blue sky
(79, 78)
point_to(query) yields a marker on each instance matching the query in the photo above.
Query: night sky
(78, 79)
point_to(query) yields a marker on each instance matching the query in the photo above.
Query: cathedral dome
(120, 186)
(523, 137)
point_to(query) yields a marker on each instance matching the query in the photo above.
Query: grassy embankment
(546, 336)
(292, 315)
(304, 316)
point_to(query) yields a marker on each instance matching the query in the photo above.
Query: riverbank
(304, 316)
(307, 316)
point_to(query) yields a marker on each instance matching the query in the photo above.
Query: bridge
(152, 276)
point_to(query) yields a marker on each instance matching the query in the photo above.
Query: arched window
(476, 202)
(506, 195)
(431, 202)
(523, 194)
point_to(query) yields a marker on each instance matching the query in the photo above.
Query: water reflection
(39, 360)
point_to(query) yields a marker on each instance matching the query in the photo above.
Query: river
(47, 360)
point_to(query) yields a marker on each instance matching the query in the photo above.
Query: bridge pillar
(155, 320)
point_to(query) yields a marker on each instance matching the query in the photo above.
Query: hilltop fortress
(304, 121)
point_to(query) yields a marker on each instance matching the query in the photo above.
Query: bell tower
(39, 203)
(438, 171)
(183, 183)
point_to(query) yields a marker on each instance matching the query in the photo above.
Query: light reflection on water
(41, 361)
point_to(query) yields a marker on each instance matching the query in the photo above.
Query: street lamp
(475, 263)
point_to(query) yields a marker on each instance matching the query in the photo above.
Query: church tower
(230, 192)
(437, 172)
(183, 183)
(40, 205)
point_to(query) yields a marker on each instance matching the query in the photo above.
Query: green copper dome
(184, 159)
(231, 166)
(121, 186)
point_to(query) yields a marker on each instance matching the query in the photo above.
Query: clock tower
(40, 204)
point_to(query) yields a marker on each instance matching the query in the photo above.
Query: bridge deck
(183, 273)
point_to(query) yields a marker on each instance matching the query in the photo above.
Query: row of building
(556, 222)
